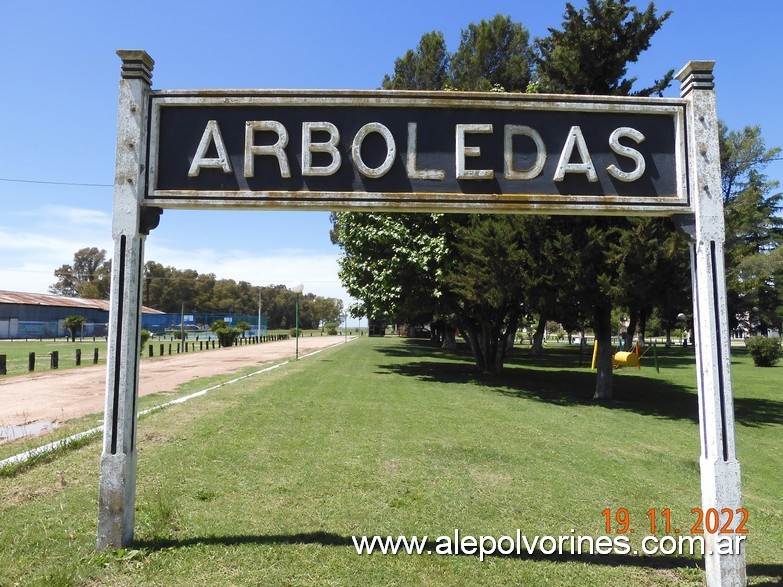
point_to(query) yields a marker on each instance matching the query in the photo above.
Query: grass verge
(266, 481)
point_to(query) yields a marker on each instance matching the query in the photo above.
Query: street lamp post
(297, 288)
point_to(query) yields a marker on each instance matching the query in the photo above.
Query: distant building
(28, 315)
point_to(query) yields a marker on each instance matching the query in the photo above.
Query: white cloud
(44, 239)
(78, 216)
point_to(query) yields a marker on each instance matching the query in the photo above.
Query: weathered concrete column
(117, 493)
(720, 470)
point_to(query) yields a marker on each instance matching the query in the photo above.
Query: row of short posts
(208, 344)
(54, 356)
(54, 360)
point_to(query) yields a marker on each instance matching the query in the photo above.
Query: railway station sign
(447, 151)
(413, 152)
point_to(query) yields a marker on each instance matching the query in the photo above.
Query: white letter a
(211, 134)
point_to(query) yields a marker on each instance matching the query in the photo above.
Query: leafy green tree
(391, 263)
(88, 277)
(754, 233)
(74, 323)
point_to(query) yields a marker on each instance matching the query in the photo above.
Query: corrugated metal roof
(33, 299)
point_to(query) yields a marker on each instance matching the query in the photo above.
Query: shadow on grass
(322, 538)
(332, 539)
(556, 379)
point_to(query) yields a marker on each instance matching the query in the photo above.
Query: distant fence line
(198, 322)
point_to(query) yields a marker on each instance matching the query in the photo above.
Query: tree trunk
(449, 337)
(644, 313)
(633, 318)
(489, 344)
(603, 335)
(471, 336)
(537, 349)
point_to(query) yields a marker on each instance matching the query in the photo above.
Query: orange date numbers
(711, 521)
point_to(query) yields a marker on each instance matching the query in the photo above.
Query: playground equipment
(625, 359)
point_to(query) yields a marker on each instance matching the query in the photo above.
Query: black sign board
(448, 151)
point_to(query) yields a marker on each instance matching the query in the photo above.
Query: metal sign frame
(699, 211)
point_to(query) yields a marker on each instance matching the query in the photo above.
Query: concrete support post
(721, 489)
(117, 491)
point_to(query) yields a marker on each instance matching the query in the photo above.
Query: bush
(225, 333)
(145, 336)
(765, 351)
(331, 328)
(227, 336)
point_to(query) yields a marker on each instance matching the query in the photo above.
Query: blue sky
(60, 76)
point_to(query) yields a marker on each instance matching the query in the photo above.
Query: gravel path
(33, 403)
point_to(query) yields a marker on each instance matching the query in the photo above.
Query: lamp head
(298, 287)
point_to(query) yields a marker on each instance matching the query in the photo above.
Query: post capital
(136, 64)
(696, 75)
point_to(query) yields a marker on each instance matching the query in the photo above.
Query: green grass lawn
(265, 482)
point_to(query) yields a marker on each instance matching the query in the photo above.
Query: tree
(391, 263)
(754, 230)
(590, 55)
(243, 327)
(394, 264)
(426, 68)
(74, 323)
(487, 278)
(492, 54)
(741, 153)
(88, 277)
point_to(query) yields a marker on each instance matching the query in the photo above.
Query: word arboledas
(574, 157)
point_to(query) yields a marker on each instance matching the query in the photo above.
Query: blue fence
(198, 323)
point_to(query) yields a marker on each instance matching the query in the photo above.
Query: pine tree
(590, 55)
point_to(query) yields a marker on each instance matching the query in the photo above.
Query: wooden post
(720, 470)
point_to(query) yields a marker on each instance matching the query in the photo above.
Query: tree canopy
(88, 277)
(489, 271)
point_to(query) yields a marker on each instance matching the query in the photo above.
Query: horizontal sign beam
(427, 151)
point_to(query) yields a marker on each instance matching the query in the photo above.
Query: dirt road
(32, 403)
